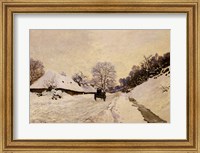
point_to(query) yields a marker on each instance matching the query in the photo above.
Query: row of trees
(149, 67)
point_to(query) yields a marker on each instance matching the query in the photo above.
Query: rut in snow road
(148, 115)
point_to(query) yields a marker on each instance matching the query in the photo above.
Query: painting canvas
(99, 76)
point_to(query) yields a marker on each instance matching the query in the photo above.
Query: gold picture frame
(9, 7)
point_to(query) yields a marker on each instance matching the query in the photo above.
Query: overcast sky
(72, 51)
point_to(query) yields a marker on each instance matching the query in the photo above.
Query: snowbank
(88, 89)
(154, 95)
(124, 112)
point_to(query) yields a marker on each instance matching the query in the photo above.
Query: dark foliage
(150, 67)
(36, 70)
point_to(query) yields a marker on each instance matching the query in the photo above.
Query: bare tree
(104, 75)
(36, 70)
(80, 78)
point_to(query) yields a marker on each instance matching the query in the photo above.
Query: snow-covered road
(83, 109)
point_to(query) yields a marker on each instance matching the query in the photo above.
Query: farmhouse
(52, 80)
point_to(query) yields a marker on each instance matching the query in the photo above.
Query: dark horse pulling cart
(100, 94)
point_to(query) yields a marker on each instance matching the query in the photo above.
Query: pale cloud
(72, 51)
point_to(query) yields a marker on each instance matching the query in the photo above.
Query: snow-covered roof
(88, 89)
(56, 80)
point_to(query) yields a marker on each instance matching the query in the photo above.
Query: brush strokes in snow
(83, 109)
(154, 95)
